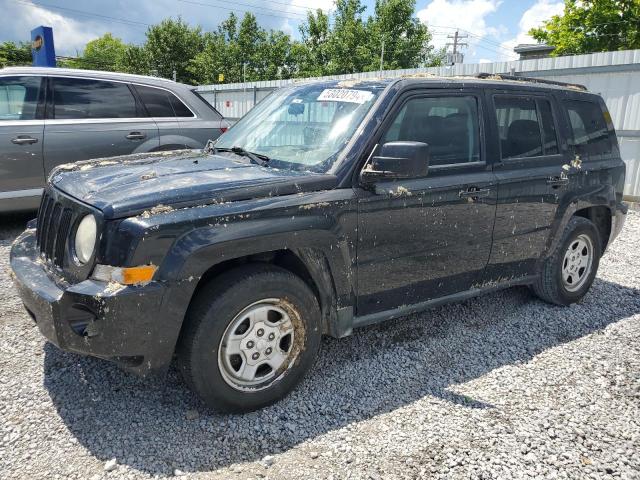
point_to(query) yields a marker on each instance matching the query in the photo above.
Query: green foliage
(406, 39)
(171, 45)
(312, 54)
(592, 26)
(104, 53)
(240, 49)
(15, 54)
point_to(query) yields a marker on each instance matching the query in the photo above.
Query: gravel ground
(502, 386)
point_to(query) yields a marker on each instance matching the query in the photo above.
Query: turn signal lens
(133, 275)
(124, 275)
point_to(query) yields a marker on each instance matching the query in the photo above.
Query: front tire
(250, 337)
(568, 273)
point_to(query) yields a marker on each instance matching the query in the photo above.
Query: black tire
(212, 311)
(550, 286)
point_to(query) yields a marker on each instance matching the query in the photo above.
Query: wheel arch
(598, 207)
(600, 216)
(307, 264)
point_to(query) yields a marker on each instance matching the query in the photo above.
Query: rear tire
(568, 273)
(250, 337)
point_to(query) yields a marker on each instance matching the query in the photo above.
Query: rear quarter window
(161, 103)
(589, 128)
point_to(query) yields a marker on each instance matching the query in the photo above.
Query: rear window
(590, 133)
(526, 127)
(76, 98)
(161, 103)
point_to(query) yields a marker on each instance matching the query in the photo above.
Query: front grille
(52, 229)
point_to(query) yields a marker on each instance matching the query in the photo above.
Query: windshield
(303, 127)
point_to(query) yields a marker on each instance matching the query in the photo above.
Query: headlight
(85, 238)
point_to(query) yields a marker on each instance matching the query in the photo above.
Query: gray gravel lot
(502, 386)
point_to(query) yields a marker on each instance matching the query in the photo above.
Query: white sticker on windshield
(345, 95)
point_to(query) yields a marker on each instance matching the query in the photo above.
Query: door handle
(24, 140)
(558, 181)
(474, 192)
(136, 136)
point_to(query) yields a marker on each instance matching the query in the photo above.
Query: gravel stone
(111, 465)
(498, 387)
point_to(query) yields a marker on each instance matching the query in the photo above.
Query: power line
(82, 13)
(298, 17)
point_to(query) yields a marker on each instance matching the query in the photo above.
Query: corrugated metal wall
(614, 75)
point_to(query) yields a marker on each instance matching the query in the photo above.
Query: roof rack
(502, 76)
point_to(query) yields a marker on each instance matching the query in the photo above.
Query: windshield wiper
(256, 158)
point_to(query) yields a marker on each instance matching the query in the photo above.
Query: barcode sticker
(345, 95)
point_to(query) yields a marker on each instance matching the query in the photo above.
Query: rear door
(425, 238)
(531, 166)
(21, 135)
(89, 118)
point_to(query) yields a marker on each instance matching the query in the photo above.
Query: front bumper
(122, 324)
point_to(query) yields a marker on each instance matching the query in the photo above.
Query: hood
(128, 185)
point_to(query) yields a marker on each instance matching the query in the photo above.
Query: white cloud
(69, 35)
(539, 12)
(469, 16)
(298, 9)
(485, 60)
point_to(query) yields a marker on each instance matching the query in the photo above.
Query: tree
(104, 53)
(406, 39)
(243, 51)
(348, 45)
(171, 45)
(311, 55)
(15, 54)
(592, 26)
(135, 59)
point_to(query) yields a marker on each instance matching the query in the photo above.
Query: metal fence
(614, 75)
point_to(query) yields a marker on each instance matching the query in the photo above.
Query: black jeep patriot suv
(331, 205)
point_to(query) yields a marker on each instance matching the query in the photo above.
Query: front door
(425, 238)
(95, 118)
(21, 130)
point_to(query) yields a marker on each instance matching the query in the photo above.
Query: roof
(533, 47)
(494, 80)
(75, 72)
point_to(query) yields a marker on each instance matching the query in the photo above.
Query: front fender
(319, 228)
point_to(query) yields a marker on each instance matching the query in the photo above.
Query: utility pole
(455, 56)
(381, 58)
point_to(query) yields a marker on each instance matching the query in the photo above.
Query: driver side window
(449, 125)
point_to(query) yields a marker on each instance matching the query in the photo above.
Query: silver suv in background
(50, 116)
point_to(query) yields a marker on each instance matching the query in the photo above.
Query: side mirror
(398, 160)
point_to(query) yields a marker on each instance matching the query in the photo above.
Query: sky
(493, 27)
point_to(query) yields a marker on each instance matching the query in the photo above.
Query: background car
(52, 116)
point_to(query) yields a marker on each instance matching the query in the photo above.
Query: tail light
(223, 129)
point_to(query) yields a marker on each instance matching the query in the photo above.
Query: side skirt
(436, 302)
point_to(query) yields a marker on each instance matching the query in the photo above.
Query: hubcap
(258, 345)
(577, 263)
